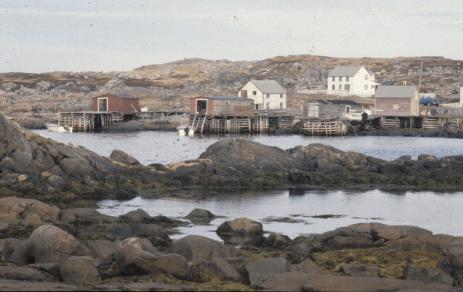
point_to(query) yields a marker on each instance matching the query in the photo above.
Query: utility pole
(419, 80)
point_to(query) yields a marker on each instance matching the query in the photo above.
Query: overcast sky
(48, 35)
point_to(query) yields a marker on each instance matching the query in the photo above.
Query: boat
(191, 132)
(182, 131)
(58, 128)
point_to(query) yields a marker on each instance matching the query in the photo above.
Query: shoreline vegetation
(52, 237)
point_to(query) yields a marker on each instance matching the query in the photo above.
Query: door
(201, 106)
(102, 105)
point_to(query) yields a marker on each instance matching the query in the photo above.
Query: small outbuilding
(127, 105)
(331, 109)
(222, 106)
(397, 101)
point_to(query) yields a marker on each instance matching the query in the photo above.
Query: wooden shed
(397, 101)
(222, 106)
(128, 105)
(330, 109)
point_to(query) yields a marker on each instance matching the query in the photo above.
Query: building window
(281, 95)
(346, 87)
(281, 105)
(254, 93)
(268, 95)
(347, 78)
(347, 109)
(340, 78)
(366, 87)
(268, 105)
(333, 87)
(227, 102)
(340, 87)
(372, 87)
(332, 78)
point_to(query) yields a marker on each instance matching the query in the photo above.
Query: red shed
(116, 103)
(222, 106)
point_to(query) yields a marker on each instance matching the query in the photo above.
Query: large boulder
(173, 264)
(288, 281)
(15, 210)
(197, 248)
(215, 268)
(154, 233)
(23, 274)
(139, 243)
(16, 251)
(85, 216)
(122, 157)
(50, 244)
(262, 270)
(80, 270)
(131, 260)
(136, 216)
(241, 231)
(200, 216)
(102, 248)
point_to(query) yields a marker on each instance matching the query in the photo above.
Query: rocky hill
(170, 85)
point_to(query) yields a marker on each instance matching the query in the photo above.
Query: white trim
(98, 103)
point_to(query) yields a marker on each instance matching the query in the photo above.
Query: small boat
(182, 131)
(191, 132)
(58, 128)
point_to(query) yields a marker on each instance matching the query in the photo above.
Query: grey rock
(198, 248)
(16, 251)
(154, 233)
(50, 244)
(122, 157)
(215, 268)
(80, 270)
(22, 274)
(241, 231)
(200, 216)
(262, 270)
(358, 269)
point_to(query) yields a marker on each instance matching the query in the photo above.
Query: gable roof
(344, 71)
(268, 86)
(407, 91)
(125, 96)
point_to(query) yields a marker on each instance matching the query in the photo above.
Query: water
(440, 213)
(166, 147)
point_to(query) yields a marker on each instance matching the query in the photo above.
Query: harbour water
(166, 147)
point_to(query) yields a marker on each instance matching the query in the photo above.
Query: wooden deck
(324, 128)
(89, 121)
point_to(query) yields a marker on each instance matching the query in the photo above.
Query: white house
(267, 94)
(351, 80)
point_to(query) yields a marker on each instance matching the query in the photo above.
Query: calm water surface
(440, 213)
(166, 147)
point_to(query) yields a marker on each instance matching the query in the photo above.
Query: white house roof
(408, 91)
(268, 86)
(344, 71)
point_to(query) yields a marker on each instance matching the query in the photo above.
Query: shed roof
(344, 71)
(407, 91)
(338, 102)
(223, 98)
(268, 86)
(117, 95)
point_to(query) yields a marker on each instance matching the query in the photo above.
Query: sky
(114, 35)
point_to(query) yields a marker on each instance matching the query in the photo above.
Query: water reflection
(315, 211)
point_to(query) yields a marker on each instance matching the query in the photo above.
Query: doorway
(201, 106)
(102, 105)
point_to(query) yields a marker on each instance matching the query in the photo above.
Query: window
(332, 78)
(340, 87)
(340, 78)
(333, 87)
(366, 87)
(227, 102)
(254, 93)
(281, 95)
(268, 95)
(281, 105)
(347, 78)
(346, 87)
(268, 105)
(372, 87)
(347, 109)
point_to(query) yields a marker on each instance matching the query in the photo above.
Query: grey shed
(408, 91)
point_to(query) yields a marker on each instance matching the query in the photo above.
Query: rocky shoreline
(43, 247)
(34, 166)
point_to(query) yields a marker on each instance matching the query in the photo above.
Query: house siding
(274, 101)
(118, 104)
(397, 107)
(356, 84)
